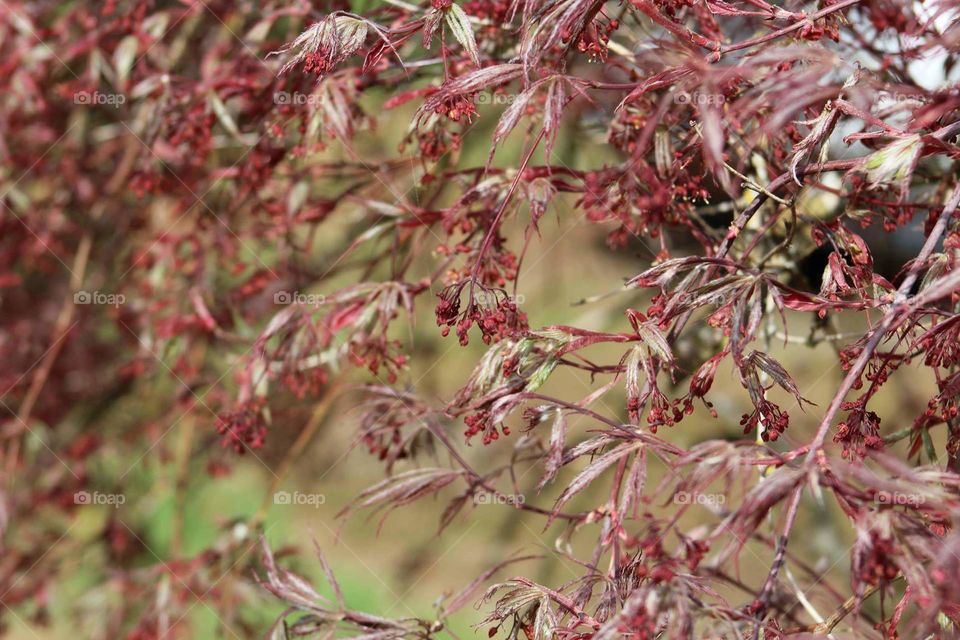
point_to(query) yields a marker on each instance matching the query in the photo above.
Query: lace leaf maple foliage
(172, 154)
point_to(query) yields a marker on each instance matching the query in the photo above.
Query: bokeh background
(401, 567)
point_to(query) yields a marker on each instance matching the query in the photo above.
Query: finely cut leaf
(593, 470)
(459, 23)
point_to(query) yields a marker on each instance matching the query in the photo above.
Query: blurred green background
(403, 569)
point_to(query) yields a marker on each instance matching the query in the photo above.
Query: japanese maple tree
(167, 190)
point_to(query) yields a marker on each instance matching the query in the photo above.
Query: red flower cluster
(243, 428)
(496, 315)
